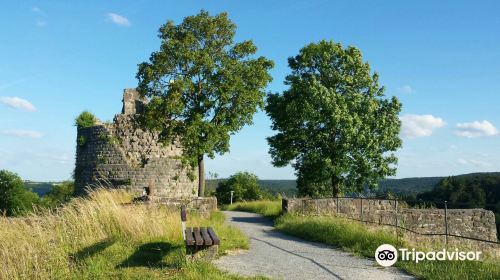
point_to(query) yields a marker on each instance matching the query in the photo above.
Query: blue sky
(441, 58)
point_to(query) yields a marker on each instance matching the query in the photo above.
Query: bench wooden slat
(189, 237)
(206, 237)
(197, 236)
(215, 239)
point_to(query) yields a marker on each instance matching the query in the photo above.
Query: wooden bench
(201, 242)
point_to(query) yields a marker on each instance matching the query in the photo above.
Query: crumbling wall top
(133, 103)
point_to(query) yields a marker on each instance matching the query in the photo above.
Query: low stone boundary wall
(203, 205)
(471, 223)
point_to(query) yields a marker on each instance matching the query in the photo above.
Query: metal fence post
(396, 211)
(361, 209)
(337, 204)
(446, 223)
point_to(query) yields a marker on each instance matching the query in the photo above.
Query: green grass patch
(150, 259)
(348, 235)
(102, 236)
(156, 258)
(267, 208)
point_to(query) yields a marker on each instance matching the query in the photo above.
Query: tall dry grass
(41, 246)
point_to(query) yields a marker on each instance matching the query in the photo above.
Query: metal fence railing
(346, 211)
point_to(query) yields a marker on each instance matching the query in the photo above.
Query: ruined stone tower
(122, 155)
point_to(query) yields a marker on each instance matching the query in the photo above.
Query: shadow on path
(298, 255)
(253, 220)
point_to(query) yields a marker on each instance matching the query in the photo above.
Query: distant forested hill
(287, 187)
(409, 185)
(41, 188)
(400, 186)
(406, 186)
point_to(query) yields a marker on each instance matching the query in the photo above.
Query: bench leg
(205, 253)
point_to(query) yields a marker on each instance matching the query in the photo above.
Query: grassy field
(101, 238)
(361, 240)
(268, 208)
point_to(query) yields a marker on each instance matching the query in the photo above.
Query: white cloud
(18, 103)
(477, 163)
(41, 20)
(22, 133)
(476, 129)
(406, 89)
(118, 19)
(420, 125)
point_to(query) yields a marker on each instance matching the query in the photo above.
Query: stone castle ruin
(121, 154)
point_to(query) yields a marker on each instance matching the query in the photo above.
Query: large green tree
(333, 123)
(203, 87)
(15, 199)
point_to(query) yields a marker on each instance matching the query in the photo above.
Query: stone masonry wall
(474, 223)
(122, 155)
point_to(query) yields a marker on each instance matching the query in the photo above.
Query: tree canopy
(59, 194)
(333, 123)
(244, 185)
(15, 199)
(203, 87)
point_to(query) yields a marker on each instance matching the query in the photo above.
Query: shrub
(59, 194)
(15, 199)
(81, 141)
(85, 119)
(244, 185)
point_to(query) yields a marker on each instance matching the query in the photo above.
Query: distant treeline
(283, 187)
(40, 188)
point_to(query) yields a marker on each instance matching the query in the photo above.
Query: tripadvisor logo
(387, 255)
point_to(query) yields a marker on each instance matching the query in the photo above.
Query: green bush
(85, 119)
(244, 185)
(81, 141)
(15, 199)
(59, 194)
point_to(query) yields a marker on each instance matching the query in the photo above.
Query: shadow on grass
(156, 255)
(91, 250)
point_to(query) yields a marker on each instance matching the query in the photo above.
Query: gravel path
(279, 256)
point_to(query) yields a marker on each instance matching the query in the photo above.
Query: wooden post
(337, 204)
(183, 221)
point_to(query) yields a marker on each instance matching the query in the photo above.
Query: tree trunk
(335, 186)
(201, 176)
